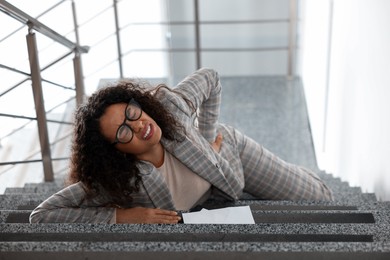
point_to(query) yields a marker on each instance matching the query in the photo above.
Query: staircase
(355, 225)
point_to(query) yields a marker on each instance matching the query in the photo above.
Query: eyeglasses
(125, 134)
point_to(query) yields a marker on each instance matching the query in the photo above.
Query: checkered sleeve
(269, 177)
(71, 206)
(203, 89)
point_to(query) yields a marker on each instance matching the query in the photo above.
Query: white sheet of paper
(230, 215)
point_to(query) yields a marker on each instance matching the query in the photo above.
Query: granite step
(31, 200)
(57, 182)
(340, 230)
(334, 182)
(22, 201)
(32, 190)
(264, 212)
(329, 224)
(182, 237)
(340, 187)
(305, 235)
(261, 214)
(370, 196)
(190, 251)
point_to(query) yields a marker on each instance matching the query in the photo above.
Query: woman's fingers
(217, 143)
(164, 216)
(146, 216)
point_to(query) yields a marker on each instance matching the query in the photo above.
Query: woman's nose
(136, 126)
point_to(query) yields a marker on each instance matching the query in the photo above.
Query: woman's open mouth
(148, 132)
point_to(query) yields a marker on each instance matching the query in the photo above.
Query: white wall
(351, 128)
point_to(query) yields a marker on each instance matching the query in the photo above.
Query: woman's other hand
(217, 143)
(141, 215)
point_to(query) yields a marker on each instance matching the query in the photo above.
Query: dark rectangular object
(190, 255)
(28, 206)
(18, 217)
(300, 207)
(183, 237)
(313, 217)
(267, 218)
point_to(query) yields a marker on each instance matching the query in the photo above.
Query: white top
(187, 188)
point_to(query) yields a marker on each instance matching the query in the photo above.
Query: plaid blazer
(231, 171)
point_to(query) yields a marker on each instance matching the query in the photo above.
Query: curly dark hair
(94, 160)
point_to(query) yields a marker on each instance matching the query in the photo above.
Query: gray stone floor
(272, 111)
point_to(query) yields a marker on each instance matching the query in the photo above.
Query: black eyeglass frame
(132, 102)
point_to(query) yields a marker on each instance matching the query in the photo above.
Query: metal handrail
(29, 75)
(34, 24)
(37, 160)
(208, 49)
(14, 70)
(45, 12)
(253, 21)
(27, 79)
(39, 27)
(34, 118)
(35, 76)
(30, 161)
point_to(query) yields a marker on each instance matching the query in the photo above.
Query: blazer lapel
(196, 160)
(156, 186)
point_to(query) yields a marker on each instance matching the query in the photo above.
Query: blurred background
(53, 53)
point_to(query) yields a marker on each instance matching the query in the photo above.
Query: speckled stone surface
(14, 201)
(183, 237)
(272, 111)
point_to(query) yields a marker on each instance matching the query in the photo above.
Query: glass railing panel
(88, 9)
(18, 57)
(247, 63)
(181, 36)
(9, 174)
(12, 25)
(35, 8)
(100, 55)
(143, 37)
(53, 97)
(182, 64)
(61, 75)
(238, 10)
(145, 64)
(9, 80)
(140, 11)
(98, 28)
(23, 144)
(241, 36)
(19, 101)
(180, 10)
(109, 71)
(59, 18)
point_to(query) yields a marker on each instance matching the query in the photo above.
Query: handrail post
(79, 78)
(39, 105)
(118, 39)
(197, 35)
(292, 39)
(77, 63)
